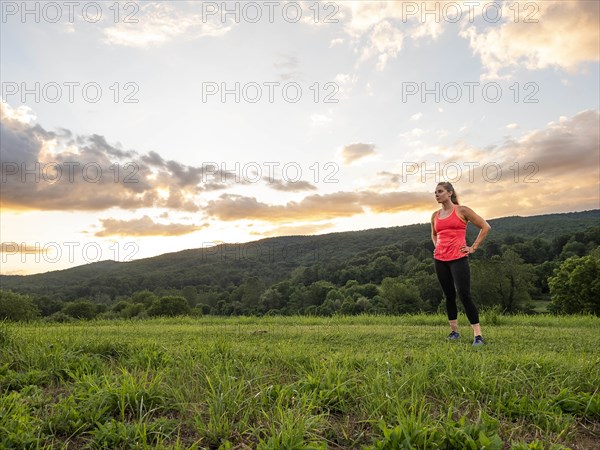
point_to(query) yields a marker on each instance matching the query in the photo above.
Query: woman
(448, 232)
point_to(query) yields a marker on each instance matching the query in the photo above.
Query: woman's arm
(433, 232)
(479, 222)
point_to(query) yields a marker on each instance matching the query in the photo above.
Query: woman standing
(448, 232)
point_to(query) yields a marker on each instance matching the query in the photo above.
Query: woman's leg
(461, 273)
(444, 276)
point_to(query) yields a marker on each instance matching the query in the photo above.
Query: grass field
(299, 383)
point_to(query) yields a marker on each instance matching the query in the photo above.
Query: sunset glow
(164, 126)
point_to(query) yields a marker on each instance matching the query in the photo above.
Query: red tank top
(451, 236)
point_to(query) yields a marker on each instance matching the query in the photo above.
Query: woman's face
(441, 194)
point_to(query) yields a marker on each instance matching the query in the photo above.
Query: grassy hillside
(298, 382)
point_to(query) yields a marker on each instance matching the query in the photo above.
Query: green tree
(270, 300)
(191, 294)
(573, 248)
(576, 286)
(429, 289)
(368, 290)
(332, 304)
(170, 305)
(379, 305)
(363, 305)
(348, 307)
(503, 280)
(382, 267)
(305, 275)
(528, 251)
(47, 306)
(204, 309)
(491, 248)
(145, 297)
(402, 295)
(248, 294)
(317, 292)
(352, 273)
(209, 298)
(329, 307)
(120, 306)
(132, 310)
(14, 306)
(81, 309)
(517, 281)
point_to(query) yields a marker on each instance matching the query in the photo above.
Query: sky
(136, 128)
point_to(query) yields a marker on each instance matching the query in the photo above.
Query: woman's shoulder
(463, 212)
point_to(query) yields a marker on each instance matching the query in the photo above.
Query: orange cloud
(562, 34)
(313, 208)
(14, 248)
(288, 186)
(355, 152)
(295, 230)
(144, 226)
(546, 34)
(316, 207)
(554, 169)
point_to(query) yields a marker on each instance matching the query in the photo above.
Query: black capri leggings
(456, 276)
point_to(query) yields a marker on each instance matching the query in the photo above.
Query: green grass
(541, 306)
(301, 382)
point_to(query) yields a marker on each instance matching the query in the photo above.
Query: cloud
(319, 120)
(316, 207)
(553, 169)
(58, 170)
(377, 29)
(416, 116)
(548, 170)
(413, 137)
(355, 152)
(563, 35)
(287, 67)
(364, 16)
(13, 248)
(345, 83)
(385, 41)
(159, 23)
(144, 226)
(22, 114)
(288, 186)
(567, 150)
(295, 230)
(393, 202)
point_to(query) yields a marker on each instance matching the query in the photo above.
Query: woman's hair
(449, 188)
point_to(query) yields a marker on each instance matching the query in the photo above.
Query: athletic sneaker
(453, 336)
(478, 341)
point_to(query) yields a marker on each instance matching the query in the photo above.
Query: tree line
(512, 273)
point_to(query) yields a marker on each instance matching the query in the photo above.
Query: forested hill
(274, 259)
